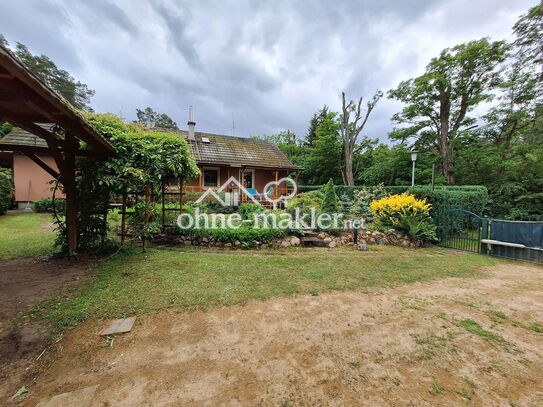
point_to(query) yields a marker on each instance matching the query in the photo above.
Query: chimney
(191, 124)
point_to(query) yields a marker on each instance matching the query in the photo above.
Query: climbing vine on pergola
(144, 162)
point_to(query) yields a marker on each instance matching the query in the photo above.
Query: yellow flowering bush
(400, 205)
(406, 214)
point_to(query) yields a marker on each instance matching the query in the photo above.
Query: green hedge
(246, 234)
(6, 190)
(48, 205)
(472, 198)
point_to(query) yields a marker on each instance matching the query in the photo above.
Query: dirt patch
(23, 283)
(405, 346)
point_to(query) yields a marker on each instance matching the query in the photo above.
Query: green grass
(24, 234)
(536, 328)
(475, 328)
(183, 280)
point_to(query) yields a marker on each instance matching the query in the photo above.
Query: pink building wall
(32, 182)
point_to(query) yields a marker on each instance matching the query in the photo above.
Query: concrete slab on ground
(119, 326)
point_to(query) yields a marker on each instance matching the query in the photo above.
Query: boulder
(238, 243)
(285, 243)
(332, 244)
(362, 246)
(327, 239)
(294, 241)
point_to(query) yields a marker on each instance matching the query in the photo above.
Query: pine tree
(330, 201)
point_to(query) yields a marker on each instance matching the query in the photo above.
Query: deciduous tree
(75, 92)
(353, 119)
(439, 101)
(149, 118)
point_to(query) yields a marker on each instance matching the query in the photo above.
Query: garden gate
(461, 229)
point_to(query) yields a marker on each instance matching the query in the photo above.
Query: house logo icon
(232, 182)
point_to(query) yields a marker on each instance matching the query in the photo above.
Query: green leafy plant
(306, 201)
(49, 205)
(143, 161)
(6, 190)
(247, 210)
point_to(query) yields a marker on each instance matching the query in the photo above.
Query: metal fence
(464, 230)
(459, 229)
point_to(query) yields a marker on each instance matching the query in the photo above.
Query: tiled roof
(22, 137)
(231, 150)
(225, 150)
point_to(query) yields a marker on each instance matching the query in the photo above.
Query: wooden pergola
(26, 102)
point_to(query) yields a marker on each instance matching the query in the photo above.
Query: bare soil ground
(455, 341)
(23, 283)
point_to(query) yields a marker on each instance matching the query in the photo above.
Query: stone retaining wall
(365, 237)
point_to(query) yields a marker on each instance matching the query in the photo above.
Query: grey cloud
(269, 64)
(99, 13)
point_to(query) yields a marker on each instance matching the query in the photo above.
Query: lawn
(189, 279)
(24, 234)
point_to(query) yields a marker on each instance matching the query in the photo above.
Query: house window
(211, 177)
(249, 179)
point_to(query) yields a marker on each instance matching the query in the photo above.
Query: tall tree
(438, 102)
(529, 39)
(353, 119)
(529, 61)
(149, 118)
(317, 118)
(75, 92)
(324, 160)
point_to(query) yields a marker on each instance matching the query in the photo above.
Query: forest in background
(475, 113)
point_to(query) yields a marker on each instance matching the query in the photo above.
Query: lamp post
(413, 160)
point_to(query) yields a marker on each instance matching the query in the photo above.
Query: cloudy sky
(267, 64)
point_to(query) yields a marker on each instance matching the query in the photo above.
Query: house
(31, 182)
(252, 162)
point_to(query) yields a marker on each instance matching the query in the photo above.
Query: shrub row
(48, 205)
(246, 234)
(472, 198)
(6, 191)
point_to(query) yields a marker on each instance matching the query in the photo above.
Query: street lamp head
(414, 155)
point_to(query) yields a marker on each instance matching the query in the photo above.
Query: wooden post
(242, 183)
(123, 218)
(180, 195)
(163, 208)
(68, 179)
(147, 199)
(276, 190)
